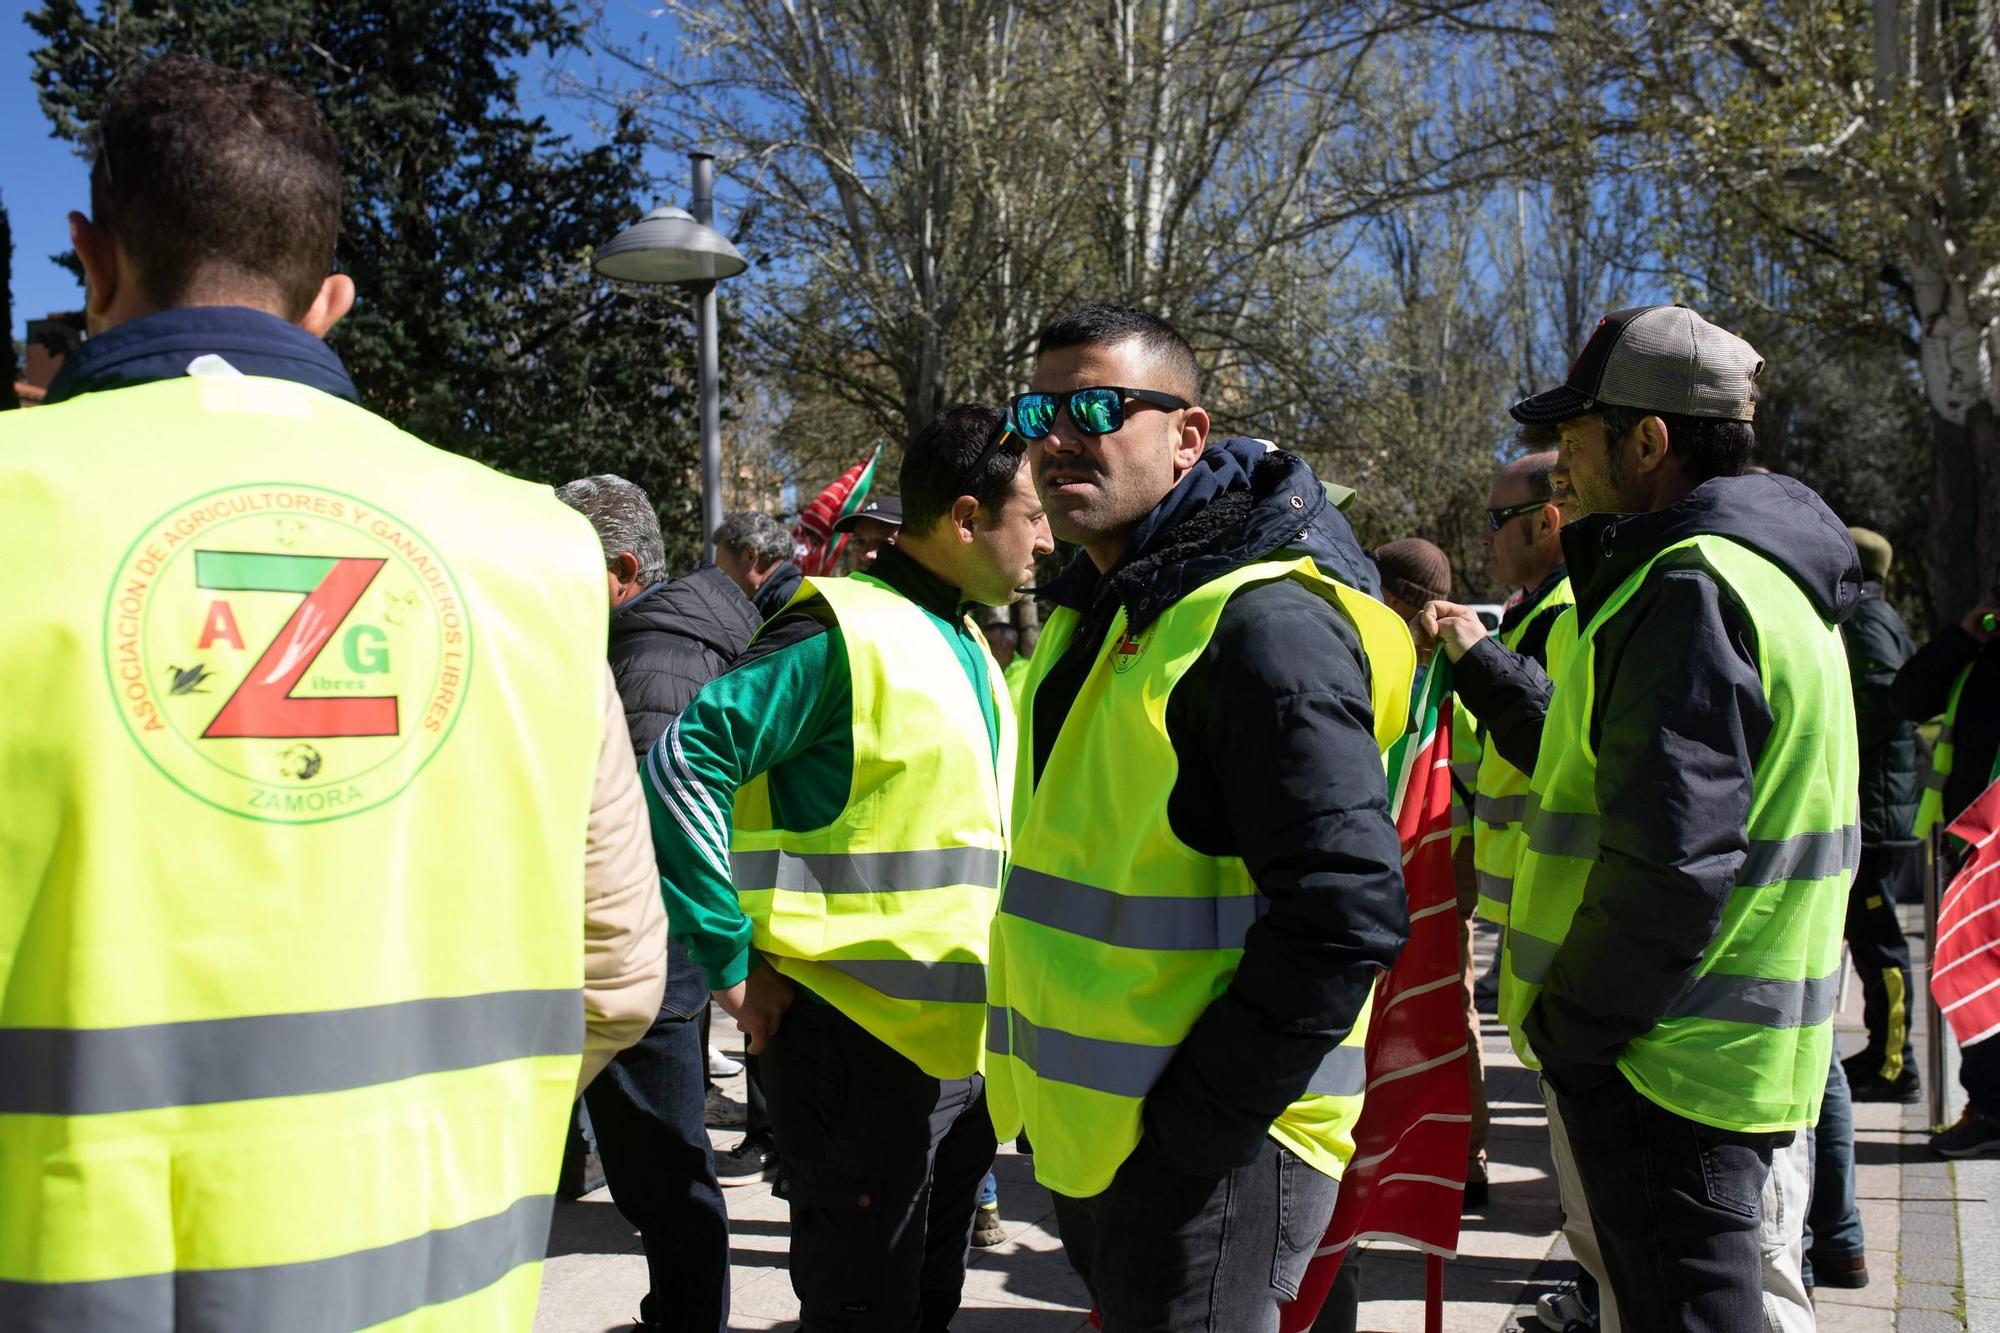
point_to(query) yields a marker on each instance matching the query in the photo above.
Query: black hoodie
(1274, 736)
(1679, 720)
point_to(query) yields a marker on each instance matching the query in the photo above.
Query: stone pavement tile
(587, 1292)
(1982, 1313)
(1852, 1318)
(1918, 1265)
(1927, 1296)
(1928, 1321)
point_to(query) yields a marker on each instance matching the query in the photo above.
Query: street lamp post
(674, 246)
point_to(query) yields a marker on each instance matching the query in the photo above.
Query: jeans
(881, 1165)
(1882, 955)
(1165, 1252)
(647, 1110)
(1677, 1209)
(1833, 1225)
(989, 1190)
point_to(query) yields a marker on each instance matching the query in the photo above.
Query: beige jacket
(624, 923)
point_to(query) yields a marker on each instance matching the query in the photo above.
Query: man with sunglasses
(1205, 879)
(831, 819)
(1673, 940)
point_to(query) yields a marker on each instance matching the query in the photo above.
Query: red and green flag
(1406, 1180)
(818, 544)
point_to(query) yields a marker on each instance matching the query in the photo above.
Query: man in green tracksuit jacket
(831, 823)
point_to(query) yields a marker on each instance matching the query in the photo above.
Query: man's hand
(1982, 622)
(1456, 627)
(758, 1004)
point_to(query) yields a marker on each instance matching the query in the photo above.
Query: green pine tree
(467, 226)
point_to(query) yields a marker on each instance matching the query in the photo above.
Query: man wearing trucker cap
(1673, 950)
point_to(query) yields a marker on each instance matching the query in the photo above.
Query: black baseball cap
(1656, 358)
(884, 509)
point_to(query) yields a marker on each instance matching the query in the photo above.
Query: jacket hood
(160, 347)
(704, 605)
(1244, 501)
(1778, 517)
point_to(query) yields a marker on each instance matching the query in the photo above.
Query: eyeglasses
(1099, 410)
(999, 440)
(1496, 519)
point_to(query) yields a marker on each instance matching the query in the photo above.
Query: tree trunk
(1965, 491)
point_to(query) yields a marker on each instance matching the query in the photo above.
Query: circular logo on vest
(286, 653)
(1129, 650)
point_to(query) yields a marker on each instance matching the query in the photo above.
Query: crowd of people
(449, 809)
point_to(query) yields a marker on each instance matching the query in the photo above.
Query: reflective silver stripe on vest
(1559, 833)
(1530, 955)
(1805, 856)
(1128, 922)
(1947, 733)
(1467, 772)
(1344, 1073)
(1492, 887)
(866, 872)
(1500, 810)
(1760, 1000)
(1936, 778)
(348, 1291)
(1129, 1069)
(1120, 1068)
(98, 1071)
(910, 979)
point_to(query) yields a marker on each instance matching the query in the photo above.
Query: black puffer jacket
(666, 644)
(1878, 643)
(1679, 721)
(671, 640)
(776, 594)
(1923, 689)
(1273, 730)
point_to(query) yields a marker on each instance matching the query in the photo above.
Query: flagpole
(1433, 1293)
(1934, 1038)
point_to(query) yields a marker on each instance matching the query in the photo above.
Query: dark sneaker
(748, 1163)
(1975, 1135)
(1906, 1088)
(1477, 1191)
(1849, 1272)
(986, 1229)
(580, 1176)
(721, 1111)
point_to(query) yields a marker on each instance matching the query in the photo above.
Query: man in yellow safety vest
(310, 738)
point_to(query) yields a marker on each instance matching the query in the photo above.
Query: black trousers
(646, 1108)
(881, 1165)
(1676, 1207)
(1165, 1252)
(1881, 955)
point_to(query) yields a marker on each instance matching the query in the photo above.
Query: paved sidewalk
(1918, 1211)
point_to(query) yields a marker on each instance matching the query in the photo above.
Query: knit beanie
(1414, 570)
(1876, 553)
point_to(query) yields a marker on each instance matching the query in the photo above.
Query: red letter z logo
(263, 705)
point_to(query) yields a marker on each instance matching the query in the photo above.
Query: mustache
(1072, 466)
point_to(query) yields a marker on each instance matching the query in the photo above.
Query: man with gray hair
(667, 640)
(756, 552)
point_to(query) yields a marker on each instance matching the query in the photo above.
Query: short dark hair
(202, 171)
(1707, 446)
(1539, 471)
(1101, 323)
(939, 465)
(750, 530)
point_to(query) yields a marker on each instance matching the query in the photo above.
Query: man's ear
(1649, 445)
(626, 566)
(335, 299)
(964, 511)
(103, 268)
(1192, 440)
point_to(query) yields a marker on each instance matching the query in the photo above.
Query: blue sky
(42, 178)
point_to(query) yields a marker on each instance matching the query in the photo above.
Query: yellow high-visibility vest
(886, 911)
(1501, 790)
(1746, 1047)
(1113, 935)
(298, 761)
